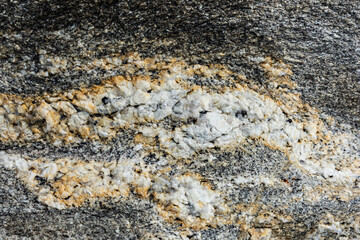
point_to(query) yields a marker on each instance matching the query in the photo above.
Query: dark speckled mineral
(258, 188)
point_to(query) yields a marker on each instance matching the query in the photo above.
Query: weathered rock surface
(217, 120)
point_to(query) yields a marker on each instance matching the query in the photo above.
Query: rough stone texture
(42, 43)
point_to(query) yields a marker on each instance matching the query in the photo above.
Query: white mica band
(240, 114)
(65, 183)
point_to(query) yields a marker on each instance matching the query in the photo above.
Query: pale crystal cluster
(67, 183)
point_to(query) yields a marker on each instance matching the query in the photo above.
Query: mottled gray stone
(319, 39)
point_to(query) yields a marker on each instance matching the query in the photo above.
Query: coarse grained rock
(44, 44)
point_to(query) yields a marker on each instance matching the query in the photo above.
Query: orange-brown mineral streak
(45, 116)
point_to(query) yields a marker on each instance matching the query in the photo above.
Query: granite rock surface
(180, 119)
